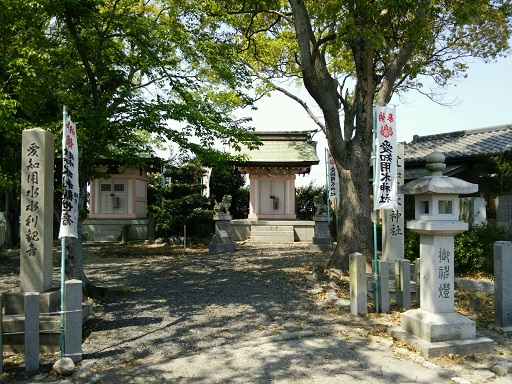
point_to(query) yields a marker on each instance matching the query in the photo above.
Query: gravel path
(178, 304)
(167, 303)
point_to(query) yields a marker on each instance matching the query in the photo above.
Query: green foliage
(496, 170)
(474, 249)
(240, 203)
(411, 245)
(304, 200)
(177, 200)
(225, 180)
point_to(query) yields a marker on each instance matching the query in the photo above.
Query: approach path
(259, 315)
(256, 316)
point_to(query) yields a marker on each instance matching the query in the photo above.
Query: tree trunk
(12, 218)
(351, 151)
(75, 260)
(355, 233)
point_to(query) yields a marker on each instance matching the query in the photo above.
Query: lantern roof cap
(436, 183)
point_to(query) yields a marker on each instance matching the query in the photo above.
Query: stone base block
(49, 332)
(437, 327)
(14, 304)
(49, 336)
(432, 350)
(222, 244)
(320, 244)
(222, 248)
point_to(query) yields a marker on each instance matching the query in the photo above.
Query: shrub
(411, 245)
(474, 249)
(304, 197)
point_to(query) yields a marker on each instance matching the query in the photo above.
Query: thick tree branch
(304, 105)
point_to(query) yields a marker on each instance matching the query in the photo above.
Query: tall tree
(350, 54)
(127, 70)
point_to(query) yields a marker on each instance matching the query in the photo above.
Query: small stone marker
(36, 240)
(73, 320)
(383, 286)
(503, 285)
(358, 287)
(31, 331)
(403, 283)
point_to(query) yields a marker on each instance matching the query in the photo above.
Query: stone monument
(36, 229)
(36, 298)
(36, 246)
(435, 329)
(222, 241)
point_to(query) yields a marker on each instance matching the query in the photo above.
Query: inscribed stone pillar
(437, 274)
(393, 227)
(36, 242)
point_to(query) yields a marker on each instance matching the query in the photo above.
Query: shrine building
(272, 170)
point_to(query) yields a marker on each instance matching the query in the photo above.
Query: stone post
(383, 287)
(403, 283)
(503, 285)
(31, 331)
(417, 271)
(151, 228)
(73, 320)
(36, 239)
(358, 285)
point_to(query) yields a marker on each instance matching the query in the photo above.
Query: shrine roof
(461, 144)
(291, 148)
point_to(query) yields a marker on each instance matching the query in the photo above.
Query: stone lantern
(435, 328)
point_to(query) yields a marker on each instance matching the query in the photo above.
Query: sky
(483, 99)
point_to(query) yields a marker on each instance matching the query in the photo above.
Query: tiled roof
(283, 148)
(461, 144)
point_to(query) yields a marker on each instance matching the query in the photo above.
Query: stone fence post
(503, 285)
(73, 320)
(358, 287)
(31, 331)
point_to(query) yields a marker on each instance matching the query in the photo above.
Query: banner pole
(63, 260)
(375, 258)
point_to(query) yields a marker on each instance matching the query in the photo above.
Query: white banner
(385, 191)
(333, 186)
(70, 187)
(206, 181)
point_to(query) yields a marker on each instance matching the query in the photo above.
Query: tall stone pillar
(36, 243)
(393, 226)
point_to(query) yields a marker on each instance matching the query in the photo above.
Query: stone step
(276, 228)
(272, 234)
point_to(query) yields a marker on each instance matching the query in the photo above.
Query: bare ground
(169, 302)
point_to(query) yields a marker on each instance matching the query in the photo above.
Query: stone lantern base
(437, 334)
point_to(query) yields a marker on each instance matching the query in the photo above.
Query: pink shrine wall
(272, 196)
(122, 196)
